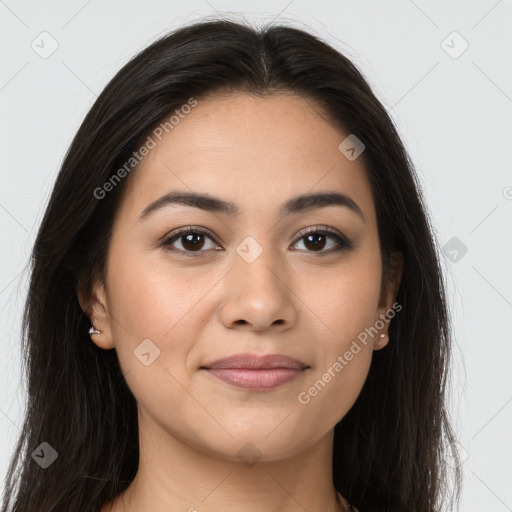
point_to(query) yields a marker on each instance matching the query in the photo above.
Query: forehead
(254, 151)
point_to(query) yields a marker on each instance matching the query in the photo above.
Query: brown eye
(315, 240)
(192, 240)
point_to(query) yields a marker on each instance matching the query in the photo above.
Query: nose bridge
(256, 291)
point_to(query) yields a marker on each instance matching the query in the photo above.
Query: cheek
(345, 307)
(153, 302)
(345, 300)
(341, 366)
(151, 297)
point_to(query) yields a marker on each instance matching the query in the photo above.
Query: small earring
(93, 330)
(382, 335)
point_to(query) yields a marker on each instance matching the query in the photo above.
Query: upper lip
(253, 361)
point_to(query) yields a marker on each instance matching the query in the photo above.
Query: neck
(174, 476)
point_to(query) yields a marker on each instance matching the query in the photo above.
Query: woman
(236, 301)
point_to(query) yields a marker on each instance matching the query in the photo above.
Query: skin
(292, 300)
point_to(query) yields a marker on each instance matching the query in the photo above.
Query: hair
(394, 449)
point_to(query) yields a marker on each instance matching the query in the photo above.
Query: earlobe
(381, 342)
(93, 301)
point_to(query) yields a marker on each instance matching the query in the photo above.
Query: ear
(389, 290)
(92, 298)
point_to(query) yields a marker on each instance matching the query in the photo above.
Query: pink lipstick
(258, 373)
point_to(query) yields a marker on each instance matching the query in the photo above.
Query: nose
(257, 297)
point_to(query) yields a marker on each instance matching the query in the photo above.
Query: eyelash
(343, 242)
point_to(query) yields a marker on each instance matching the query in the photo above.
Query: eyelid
(179, 232)
(321, 229)
(189, 229)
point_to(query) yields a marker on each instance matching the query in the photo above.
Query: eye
(191, 240)
(315, 240)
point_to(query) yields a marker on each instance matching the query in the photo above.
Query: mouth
(257, 373)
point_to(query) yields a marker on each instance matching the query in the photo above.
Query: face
(249, 278)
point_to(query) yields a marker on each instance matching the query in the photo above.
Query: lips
(258, 373)
(251, 361)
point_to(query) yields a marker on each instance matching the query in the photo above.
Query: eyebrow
(213, 204)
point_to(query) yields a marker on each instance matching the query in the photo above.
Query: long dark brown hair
(394, 450)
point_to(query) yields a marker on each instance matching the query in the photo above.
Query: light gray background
(454, 115)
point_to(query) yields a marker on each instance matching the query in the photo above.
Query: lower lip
(255, 379)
